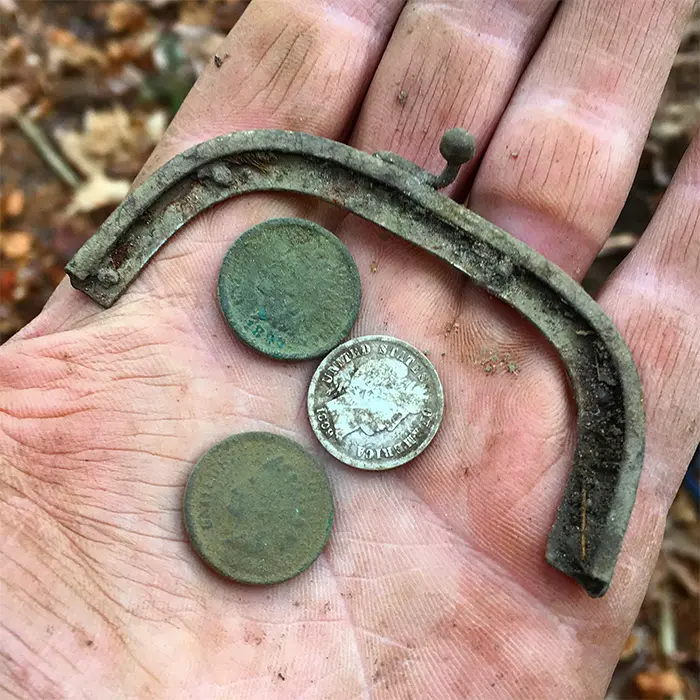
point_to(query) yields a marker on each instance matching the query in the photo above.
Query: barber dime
(375, 402)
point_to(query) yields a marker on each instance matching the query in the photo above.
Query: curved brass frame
(399, 196)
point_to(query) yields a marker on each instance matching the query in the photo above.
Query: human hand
(434, 583)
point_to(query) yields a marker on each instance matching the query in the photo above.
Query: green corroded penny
(258, 508)
(290, 289)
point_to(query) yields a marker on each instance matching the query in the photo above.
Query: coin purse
(401, 197)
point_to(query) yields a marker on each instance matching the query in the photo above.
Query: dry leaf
(71, 143)
(41, 109)
(13, 203)
(682, 543)
(192, 13)
(69, 233)
(659, 684)
(65, 49)
(13, 100)
(131, 49)
(635, 642)
(156, 125)
(619, 243)
(110, 138)
(199, 43)
(16, 245)
(683, 574)
(8, 279)
(14, 47)
(99, 191)
(684, 509)
(124, 16)
(106, 133)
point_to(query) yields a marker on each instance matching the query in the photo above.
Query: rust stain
(583, 522)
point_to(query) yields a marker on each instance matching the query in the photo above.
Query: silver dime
(375, 402)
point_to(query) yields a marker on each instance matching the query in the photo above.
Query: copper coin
(290, 289)
(258, 508)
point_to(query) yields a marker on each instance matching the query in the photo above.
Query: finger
(286, 64)
(564, 156)
(652, 298)
(447, 64)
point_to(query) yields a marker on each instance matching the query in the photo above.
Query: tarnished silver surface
(375, 402)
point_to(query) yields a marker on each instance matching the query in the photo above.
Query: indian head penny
(290, 289)
(258, 508)
(375, 402)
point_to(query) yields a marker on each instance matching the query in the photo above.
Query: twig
(667, 626)
(684, 577)
(618, 243)
(678, 542)
(39, 140)
(667, 633)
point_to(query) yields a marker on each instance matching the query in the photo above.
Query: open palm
(434, 583)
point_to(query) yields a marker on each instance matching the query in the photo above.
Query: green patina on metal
(258, 508)
(290, 289)
(398, 195)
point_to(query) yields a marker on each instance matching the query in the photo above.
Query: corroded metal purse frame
(398, 195)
